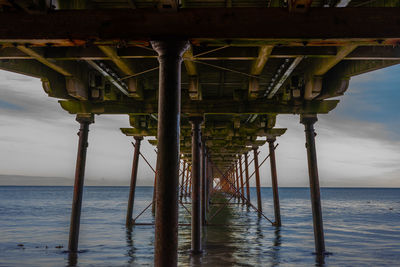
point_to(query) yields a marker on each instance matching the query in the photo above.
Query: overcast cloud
(358, 144)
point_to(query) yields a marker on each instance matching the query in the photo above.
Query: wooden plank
(134, 89)
(256, 68)
(263, 54)
(336, 81)
(191, 70)
(54, 84)
(43, 60)
(321, 66)
(75, 80)
(124, 65)
(374, 53)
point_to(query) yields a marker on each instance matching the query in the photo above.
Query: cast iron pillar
(132, 189)
(241, 178)
(84, 120)
(196, 184)
(153, 205)
(274, 181)
(169, 108)
(187, 181)
(308, 121)
(183, 179)
(246, 171)
(259, 204)
(207, 185)
(203, 182)
(210, 182)
(190, 184)
(237, 182)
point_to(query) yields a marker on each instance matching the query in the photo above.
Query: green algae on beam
(139, 132)
(202, 107)
(108, 107)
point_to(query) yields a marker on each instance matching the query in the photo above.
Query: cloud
(39, 139)
(373, 97)
(354, 153)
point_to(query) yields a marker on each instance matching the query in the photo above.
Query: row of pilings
(166, 196)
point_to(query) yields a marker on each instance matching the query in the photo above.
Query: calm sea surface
(362, 228)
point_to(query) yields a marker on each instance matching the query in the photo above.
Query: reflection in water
(72, 258)
(320, 260)
(259, 239)
(276, 259)
(195, 259)
(236, 236)
(362, 229)
(129, 243)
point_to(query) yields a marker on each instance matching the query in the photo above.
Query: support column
(153, 206)
(183, 179)
(210, 182)
(169, 101)
(190, 184)
(241, 178)
(207, 185)
(132, 189)
(258, 185)
(237, 182)
(85, 120)
(203, 182)
(308, 121)
(246, 163)
(196, 184)
(187, 181)
(230, 183)
(274, 181)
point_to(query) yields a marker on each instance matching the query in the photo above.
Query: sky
(358, 144)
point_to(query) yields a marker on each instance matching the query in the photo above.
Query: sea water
(362, 228)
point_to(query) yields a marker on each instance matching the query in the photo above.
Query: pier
(205, 83)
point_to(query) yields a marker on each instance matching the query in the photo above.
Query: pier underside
(205, 80)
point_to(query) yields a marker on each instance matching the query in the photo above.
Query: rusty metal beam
(238, 53)
(134, 24)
